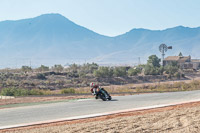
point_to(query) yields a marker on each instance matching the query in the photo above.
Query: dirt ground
(183, 118)
(40, 99)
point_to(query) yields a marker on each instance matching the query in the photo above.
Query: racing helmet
(92, 84)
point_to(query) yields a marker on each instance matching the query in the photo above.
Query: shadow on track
(113, 100)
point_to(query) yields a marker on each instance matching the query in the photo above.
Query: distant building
(185, 62)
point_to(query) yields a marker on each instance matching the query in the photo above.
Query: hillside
(53, 39)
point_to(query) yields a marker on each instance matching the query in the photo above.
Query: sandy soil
(183, 118)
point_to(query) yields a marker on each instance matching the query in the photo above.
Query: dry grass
(169, 86)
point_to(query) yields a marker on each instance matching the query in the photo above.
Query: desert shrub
(41, 76)
(133, 71)
(154, 61)
(73, 68)
(47, 92)
(82, 74)
(88, 68)
(21, 92)
(177, 75)
(151, 70)
(93, 67)
(43, 68)
(177, 84)
(11, 82)
(185, 86)
(172, 70)
(8, 91)
(120, 71)
(195, 84)
(164, 86)
(26, 69)
(58, 68)
(103, 72)
(68, 91)
(73, 75)
(152, 87)
(36, 92)
(14, 92)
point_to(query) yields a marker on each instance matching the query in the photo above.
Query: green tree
(103, 72)
(26, 69)
(88, 68)
(92, 67)
(180, 54)
(74, 68)
(41, 76)
(151, 70)
(58, 68)
(120, 71)
(43, 68)
(133, 71)
(154, 61)
(172, 69)
(14, 92)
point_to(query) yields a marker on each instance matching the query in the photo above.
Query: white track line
(95, 115)
(80, 100)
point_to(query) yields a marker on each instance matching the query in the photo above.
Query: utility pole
(30, 63)
(139, 62)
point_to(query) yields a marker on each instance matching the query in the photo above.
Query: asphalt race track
(53, 111)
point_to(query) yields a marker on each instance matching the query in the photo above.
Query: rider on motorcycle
(97, 91)
(94, 89)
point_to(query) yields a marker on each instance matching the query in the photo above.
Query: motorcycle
(103, 94)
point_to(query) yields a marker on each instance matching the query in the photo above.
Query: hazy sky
(109, 17)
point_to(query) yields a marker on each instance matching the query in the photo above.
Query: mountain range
(53, 39)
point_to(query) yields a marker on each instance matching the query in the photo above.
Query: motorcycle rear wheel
(102, 97)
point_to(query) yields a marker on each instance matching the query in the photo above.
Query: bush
(154, 61)
(88, 68)
(7, 92)
(36, 92)
(41, 76)
(21, 92)
(43, 68)
(172, 70)
(58, 68)
(103, 72)
(26, 69)
(185, 86)
(14, 92)
(150, 70)
(120, 72)
(133, 71)
(177, 75)
(68, 91)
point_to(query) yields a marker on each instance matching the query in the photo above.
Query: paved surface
(32, 114)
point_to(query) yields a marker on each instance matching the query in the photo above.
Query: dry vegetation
(174, 119)
(75, 80)
(129, 89)
(33, 81)
(56, 81)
